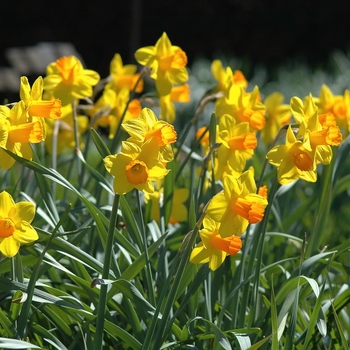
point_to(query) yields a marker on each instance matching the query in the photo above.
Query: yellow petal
(25, 234)
(23, 211)
(6, 204)
(9, 247)
(199, 254)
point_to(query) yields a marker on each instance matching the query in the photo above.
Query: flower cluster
(168, 69)
(228, 215)
(24, 122)
(242, 118)
(114, 105)
(316, 133)
(143, 155)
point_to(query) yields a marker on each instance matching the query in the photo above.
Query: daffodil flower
(237, 205)
(179, 211)
(277, 115)
(303, 110)
(136, 167)
(338, 105)
(67, 79)
(225, 76)
(293, 160)
(35, 106)
(318, 139)
(204, 142)
(110, 107)
(213, 249)
(237, 143)
(16, 133)
(243, 106)
(123, 75)
(180, 93)
(15, 228)
(148, 126)
(66, 136)
(167, 62)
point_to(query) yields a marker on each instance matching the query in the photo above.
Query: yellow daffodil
(16, 133)
(293, 160)
(167, 62)
(67, 79)
(337, 104)
(179, 211)
(65, 129)
(32, 98)
(204, 142)
(318, 138)
(225, 76)
(110, 107)
(213, 249)
(123, 75)
(237, 205)
(243, 106)
(147, 126)
(303, 111)
(136, 167)
(180, 93)
(15, 228)
(277, 115)
(263, 191)
(237, 143)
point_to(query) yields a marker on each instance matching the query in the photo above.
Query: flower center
(231, 245)
(257, 120)
(176, 61)
(46, 109)
(29, 132)
(179, 60)
(251, 211)
(65, 66)
(339, 109)
(263, 191)
(327, 136)
(302, 160)
(137, 172)
(7, 228)
(244, 114)
(243, 142)
(327, 119)
(163, 133)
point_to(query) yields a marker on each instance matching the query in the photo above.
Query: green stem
(258, 253)
(76, 137)
(105, 274)
(145, 248)
(56, 128)
(163, 327)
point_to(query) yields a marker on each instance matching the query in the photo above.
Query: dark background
(269, 32)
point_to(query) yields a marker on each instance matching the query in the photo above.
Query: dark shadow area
(268, 32)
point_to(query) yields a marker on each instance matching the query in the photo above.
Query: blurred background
(260, 36)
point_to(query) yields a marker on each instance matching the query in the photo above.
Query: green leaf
(130, 222)
(317, 317)
(169, 186)
(7, 325)
(144, 308)
(12, 344)
(220, 337)
(100, 145)
(274, 320)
